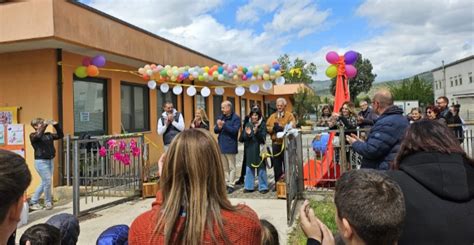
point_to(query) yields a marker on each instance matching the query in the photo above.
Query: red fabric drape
(313, 171)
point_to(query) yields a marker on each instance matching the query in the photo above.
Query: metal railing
(97, 176)
(308, 169)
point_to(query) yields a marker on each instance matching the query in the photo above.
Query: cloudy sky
(400, 37)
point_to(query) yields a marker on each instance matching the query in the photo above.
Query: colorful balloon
(350, 57)
(151, 84)
(98, 61)
(92, 71)
(351, 71)
(332, 57)
(205, 92)
(81, 71)
(164, 87)
(86, 61)
(331, 71)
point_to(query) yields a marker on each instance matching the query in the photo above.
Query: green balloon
(163, 73)
(245, 70)
(81, 72)
(331, 71)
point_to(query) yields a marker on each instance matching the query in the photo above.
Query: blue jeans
(250, 176)
(44, 167)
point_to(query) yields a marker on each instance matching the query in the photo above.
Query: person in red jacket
(192, 205)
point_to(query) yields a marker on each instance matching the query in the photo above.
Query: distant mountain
(322, 87)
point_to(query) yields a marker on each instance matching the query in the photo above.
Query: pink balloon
(332, 57)
(351, 71)
(86, 61)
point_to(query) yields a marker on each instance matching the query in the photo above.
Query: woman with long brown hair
(192, 205)
(437, 179)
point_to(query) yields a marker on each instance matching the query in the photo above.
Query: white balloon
(205, 92)
(254, 88)
(191, 91)
(177, 90)
(152, 84)
(164, 87)
(219, 91)
(239, 91)
(149, 72)
(280, 81)
(267, 85)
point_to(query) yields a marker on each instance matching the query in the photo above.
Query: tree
(308, 70)
(415, 89)
(305, 101)
(362, 82)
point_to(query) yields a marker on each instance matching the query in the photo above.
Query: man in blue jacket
(227, 126)
(384, 139)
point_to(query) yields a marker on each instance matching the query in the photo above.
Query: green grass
(325, 210)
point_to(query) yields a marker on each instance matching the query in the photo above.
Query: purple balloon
(351, 71)
(86, 61)
(332, 57)
(98, 61)
(350, 57)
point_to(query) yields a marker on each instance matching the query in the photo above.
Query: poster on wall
(15, 134)
(2, 134)
(9, 115)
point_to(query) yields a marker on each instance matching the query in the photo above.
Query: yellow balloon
(331, 71)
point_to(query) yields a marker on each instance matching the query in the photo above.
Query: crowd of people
(416, 185)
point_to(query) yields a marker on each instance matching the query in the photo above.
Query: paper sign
(15, 133)
(2, 134)
(85, 116)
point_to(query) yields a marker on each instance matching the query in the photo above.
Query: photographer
(43, 144)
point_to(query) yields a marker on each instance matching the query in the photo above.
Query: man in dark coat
(383, 141)
(227, 126)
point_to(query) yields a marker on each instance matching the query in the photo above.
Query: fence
(318, 170)
(103, 170)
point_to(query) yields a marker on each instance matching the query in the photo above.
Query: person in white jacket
(170, 124)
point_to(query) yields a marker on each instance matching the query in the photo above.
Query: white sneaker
(35, 207)
(49, 206)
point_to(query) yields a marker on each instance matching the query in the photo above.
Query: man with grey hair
(383, 141)
(227, 126)
(276, 123)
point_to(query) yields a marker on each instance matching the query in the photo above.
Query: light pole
(444, 79)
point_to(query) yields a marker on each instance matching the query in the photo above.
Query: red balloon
(86, 61)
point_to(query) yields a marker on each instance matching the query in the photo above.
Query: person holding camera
(276, 123)
(43, 144)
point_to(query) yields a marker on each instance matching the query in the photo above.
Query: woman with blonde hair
(192, 205)
(200, 119)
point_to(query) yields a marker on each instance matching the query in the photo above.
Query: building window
(456, 82)
(460, 80)
(201, 102)
(216, 102)
(243, 108)
(232, 101)
(259, 102)
(470, 77)
(436, 85)
(451, 83)
(135, 107)
(163, 98)
(251, 103)
(270, 108)
(90, 114)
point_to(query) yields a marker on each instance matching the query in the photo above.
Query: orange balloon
(191, 78)
(92, 71)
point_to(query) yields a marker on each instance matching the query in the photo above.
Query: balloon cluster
(120, 151)
(259, 73)
(341, 65)
(90, 66)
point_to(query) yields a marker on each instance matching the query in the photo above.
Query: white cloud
(154, 14)
(251, 11)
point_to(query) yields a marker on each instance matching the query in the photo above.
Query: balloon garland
(252, 78)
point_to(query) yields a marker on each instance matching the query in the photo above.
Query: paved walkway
(91, 227)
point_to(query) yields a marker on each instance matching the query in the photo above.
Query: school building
(41, 44)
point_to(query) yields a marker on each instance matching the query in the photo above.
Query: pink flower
(122, 145)
(133, 143)
(111, 143)
(135, 151)
(118, 156)
(102, 151)
(126, 159)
